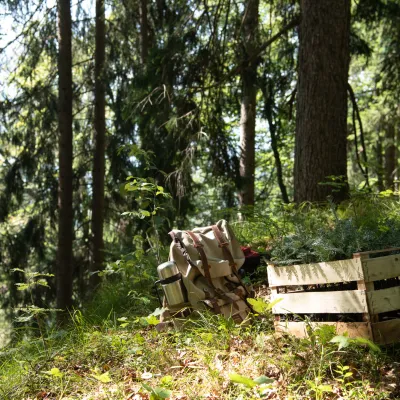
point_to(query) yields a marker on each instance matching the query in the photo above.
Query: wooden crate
(368, 275)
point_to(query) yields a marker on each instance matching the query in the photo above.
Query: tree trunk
(248, 104)
(99, 147)
(379, 164)
(65, 225)
(144, 32)
(321, 131)
(390, 156)
(269, 114)
(397, 144)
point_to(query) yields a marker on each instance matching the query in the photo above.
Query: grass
(129, 359)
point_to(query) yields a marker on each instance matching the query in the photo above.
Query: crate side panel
(323, 272)
(387, 332)
(299, 329)
(379, 268)
(340, 302)
(384, 300)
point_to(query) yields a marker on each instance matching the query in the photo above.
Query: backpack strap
(199, 247)
(182, 248)
(223, 244)
(206, 267)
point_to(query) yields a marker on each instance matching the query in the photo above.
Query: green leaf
(17, 270)
(147, 387)
(258, 305)
(325, 388)
(104, 378)
(22, 286)
(261, 306)
(207, 337)
(243, 380)
(151, 320)
(42, 282)
(55, 372)
(131, 187)
(162, 393)
(363, 341)
(157, 393)
(263, 379)
(166, 380)
(343, 341)
(139, 338)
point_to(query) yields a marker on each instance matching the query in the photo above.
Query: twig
(23, 33)
(295, 21)
(357, 112)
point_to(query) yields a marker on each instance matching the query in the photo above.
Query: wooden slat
(299, 329)
(379, 268)
(387, 332)
(367, 317)
(323, 272)
(376, 251)
(340, 302)
(384, 300)
(274, 292)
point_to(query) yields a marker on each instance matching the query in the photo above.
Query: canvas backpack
(208, 259)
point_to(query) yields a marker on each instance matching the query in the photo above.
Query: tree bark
(248, 104)
(379, 164)
(390, 156)
(397, 144)
(99, 148)
(321, 131)
(65, 224)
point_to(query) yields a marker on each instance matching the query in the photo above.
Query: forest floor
(208, 358)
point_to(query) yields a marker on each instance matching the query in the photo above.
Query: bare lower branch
(356, 113)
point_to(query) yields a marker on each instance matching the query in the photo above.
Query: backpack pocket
(231, 306)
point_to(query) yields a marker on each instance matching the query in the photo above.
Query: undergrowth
(208, 358)
(313, 233)
(113, 350)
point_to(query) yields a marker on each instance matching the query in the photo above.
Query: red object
(252, 260)
(249, 253)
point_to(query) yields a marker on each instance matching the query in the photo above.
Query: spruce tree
(65, 157)
(99, 146)
(321, 129)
